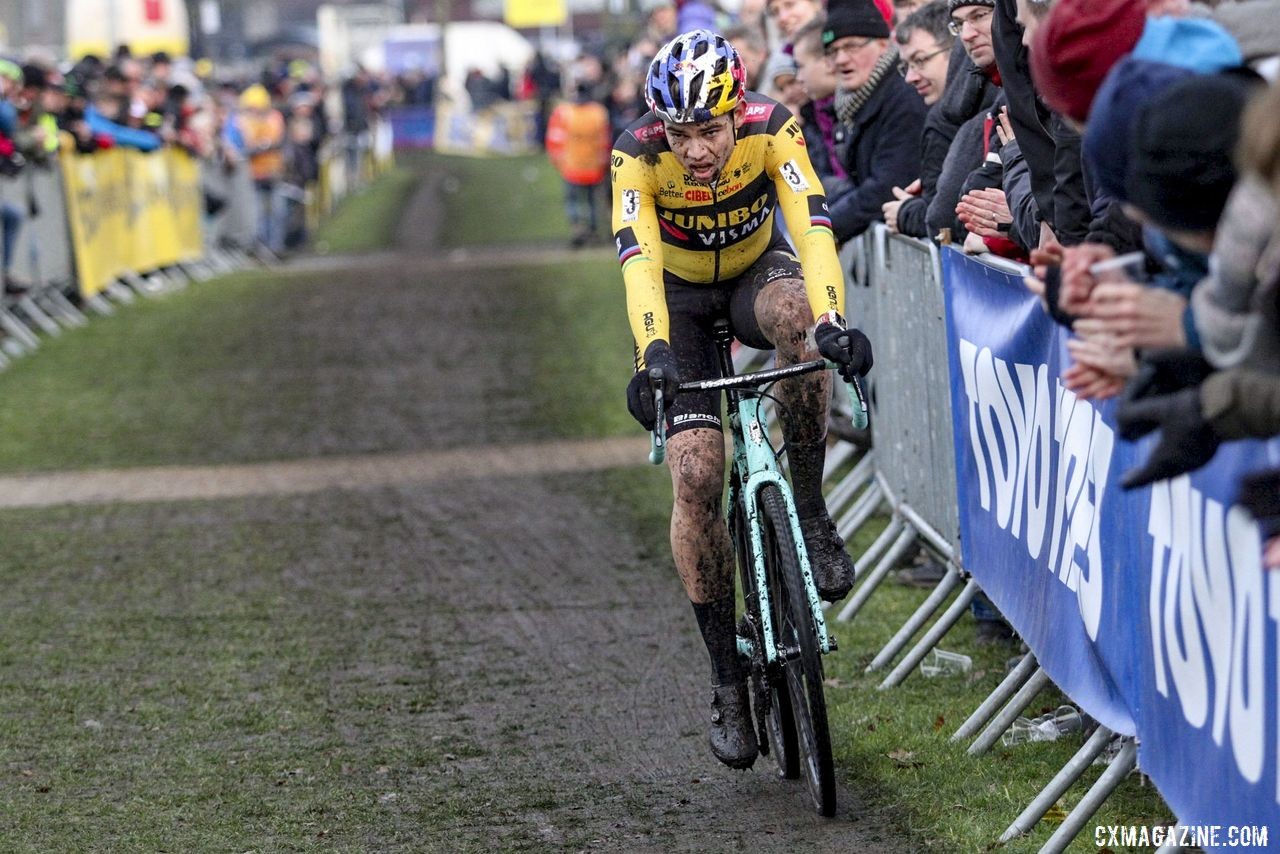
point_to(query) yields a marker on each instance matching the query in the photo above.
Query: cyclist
(697, 183)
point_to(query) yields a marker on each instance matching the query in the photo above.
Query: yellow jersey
(665, 222)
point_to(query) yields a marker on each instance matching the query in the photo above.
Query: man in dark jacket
(966, 103)
(924, 44)
(880, 117)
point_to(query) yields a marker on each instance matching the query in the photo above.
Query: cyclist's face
(703, 148)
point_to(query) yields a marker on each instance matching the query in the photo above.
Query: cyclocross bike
(782, 634)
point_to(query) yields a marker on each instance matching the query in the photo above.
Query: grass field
(247, 665)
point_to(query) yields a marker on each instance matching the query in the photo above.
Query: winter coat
(1233, 329)
(963, 157)
(937, 137)
(880, 149)
(1050, 148)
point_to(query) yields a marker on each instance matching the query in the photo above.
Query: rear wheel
(798, 641)
(778, 724)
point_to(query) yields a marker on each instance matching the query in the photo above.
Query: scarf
(848, 103)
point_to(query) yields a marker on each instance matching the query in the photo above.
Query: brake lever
(658, 438)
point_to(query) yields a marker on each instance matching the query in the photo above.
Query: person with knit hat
(880, 116)
(1175, 173)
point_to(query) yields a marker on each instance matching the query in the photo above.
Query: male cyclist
(696, 184)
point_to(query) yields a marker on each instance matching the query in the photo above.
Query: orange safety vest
(578, 142)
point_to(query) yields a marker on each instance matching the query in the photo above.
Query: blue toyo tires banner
(1150, 608)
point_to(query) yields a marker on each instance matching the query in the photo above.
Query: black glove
(1187, 441)
(1260, 495)
(1052, 295)
(640, 391)
(848, 348)
(1163, 372)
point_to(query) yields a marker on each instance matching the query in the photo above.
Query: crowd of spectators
(272, 123)
(1127, 150)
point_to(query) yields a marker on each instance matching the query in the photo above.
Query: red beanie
(1077, 45)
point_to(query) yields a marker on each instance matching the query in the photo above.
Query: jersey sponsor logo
(671, 191)
(650, 325)
(757, 112)
(649, 133)
(630, 205)
(672, 230)
(698, 195)
(794, 177)
(717, 228)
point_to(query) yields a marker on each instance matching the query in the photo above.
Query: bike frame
(755, 466)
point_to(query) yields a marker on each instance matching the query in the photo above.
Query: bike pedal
(831, 642)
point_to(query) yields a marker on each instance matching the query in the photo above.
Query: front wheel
(798, 642)
(777, 728)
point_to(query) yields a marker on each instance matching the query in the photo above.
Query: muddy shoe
(733, 738)
(831, 566)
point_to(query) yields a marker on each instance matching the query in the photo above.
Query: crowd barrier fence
(103, 228)
(1149, 609)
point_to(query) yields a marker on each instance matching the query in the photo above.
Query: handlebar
(755, 379)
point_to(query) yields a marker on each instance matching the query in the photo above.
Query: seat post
(723, 337)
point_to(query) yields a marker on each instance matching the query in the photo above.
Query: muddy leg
(700, 544)
(782, 310)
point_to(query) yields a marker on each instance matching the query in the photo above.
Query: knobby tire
(781, 727)
(794, 627)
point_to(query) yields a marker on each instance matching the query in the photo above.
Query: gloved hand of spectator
(640, 390)
(1187, 441)
(1260, 495)
(1168, 370)
(848, 348)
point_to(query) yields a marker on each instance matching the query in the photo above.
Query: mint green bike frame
(756, 466)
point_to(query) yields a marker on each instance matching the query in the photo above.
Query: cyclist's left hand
(848, 348)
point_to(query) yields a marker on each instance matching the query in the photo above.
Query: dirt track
(564, 653)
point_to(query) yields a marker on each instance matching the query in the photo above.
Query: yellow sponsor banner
(97, 207)
(131, 211)
(535, 13)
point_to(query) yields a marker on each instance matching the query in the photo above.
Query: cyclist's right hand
(640, 391)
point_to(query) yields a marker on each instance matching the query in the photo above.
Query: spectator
(818, 116)
(578, 143)
(880, 117)
(789, 88)
(10, 163)
(788, 16)
(753, 50)
(262, 128)
(968, 103)
(924, 45)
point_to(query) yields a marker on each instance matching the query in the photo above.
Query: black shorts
(694, 308)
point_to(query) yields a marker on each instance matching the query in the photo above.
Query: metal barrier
(45, 259)
(895, 294)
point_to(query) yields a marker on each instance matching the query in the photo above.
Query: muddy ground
(568, 687)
